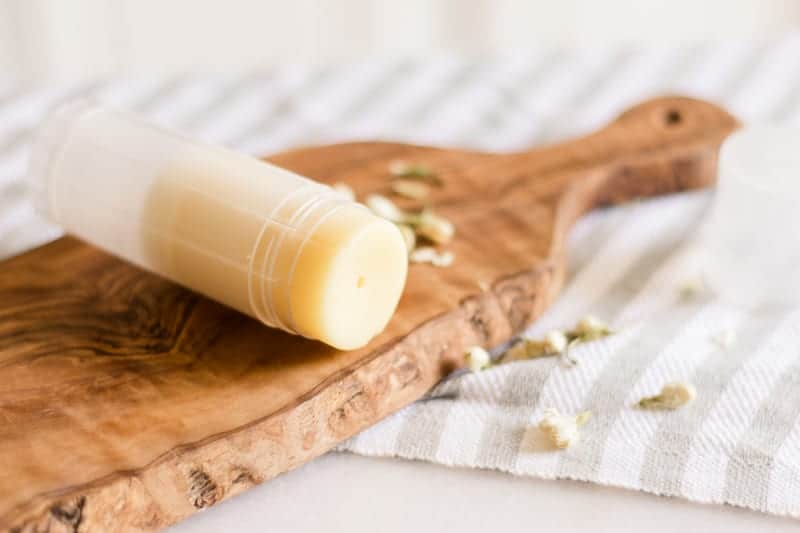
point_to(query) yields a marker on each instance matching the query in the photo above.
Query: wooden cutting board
(128, 403)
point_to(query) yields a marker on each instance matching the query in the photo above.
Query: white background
(42, 39)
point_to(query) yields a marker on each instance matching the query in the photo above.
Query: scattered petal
(385, 208)
(429, 254)
(672, 396)
(409, 236)
(555, 342)
(434, 227)
(444, 259)
(525, 349)
(414, 190)
(589, 328)
(477, 359)
(562, 430)
(404, 169)
(571, 361)
(558, 342)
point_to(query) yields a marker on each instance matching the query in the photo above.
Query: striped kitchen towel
(738, 443)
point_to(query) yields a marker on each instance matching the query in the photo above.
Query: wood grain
(128, 403)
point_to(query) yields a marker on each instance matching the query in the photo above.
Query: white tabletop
(343, 492)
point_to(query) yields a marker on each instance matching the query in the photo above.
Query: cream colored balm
(286, 250)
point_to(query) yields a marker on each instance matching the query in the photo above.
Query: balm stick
(270, 243)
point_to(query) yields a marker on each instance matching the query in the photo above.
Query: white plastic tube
(270, 243)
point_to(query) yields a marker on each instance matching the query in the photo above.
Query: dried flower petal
(404, 169)
(434, 227)
(555, 342)
(525, 349)
(385, 208)
(477, 358)
(344, 190)
(571, 361)
(409, 236)
(589, 328)
(672, 396)
(562, 430)
(429, 254)
(414, 190)
(444, 259)
(558, 342)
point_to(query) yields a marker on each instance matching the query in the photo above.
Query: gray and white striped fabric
(738, 443)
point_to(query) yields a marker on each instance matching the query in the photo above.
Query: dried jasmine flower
(567, 355)
(385, 208)
(415, 190)
(477, 359)
(429, 254)
(524, 349)
(527, 349)
(589, 328)
(433, 227)
(444, 259)
(562, 430)
(672, 396)
(558, 342)
(555, 342)
(426, 223)
(404, 169)
(409, 236)
(345, 190)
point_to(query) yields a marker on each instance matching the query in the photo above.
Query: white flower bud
(562, 430)
(434, 227)
(672, 396)
(404, 169)
(522, 349)
(409, 236)
(385, 208)
(477, 358)
(414, 190)
(428, 254)
(555, 342)
(590, 328)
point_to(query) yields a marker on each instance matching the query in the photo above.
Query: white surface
(750, 242)
(40, 39)
(342, 492)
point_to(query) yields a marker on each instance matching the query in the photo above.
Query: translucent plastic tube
(270, 243)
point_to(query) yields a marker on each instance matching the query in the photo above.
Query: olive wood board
(128, 403)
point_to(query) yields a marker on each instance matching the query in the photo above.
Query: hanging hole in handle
(672, 117)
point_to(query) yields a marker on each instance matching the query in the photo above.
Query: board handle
(661, 146)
